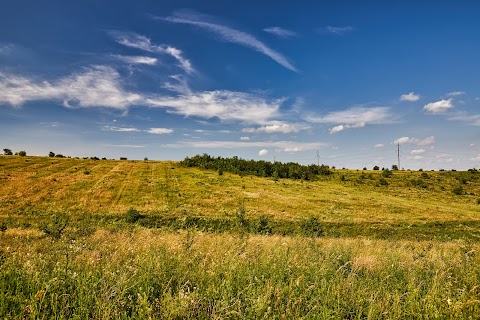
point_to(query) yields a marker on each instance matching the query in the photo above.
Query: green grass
(147, 239)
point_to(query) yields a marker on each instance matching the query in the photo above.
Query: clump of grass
(55, 227)
(311, 227)
(459, 190)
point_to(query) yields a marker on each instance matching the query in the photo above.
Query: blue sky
(263, 80)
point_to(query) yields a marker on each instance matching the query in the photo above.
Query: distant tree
(51, 154)
(364, 168)
(123, 158)
(22, 153)
(7, 152)
(145, 159)
(394, 167)
(376, 168)
(59, 155)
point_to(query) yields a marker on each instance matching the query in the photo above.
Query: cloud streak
(356, 117)
(231, 35)
(286, 146)
(278, 127)
(281, 32)
(133, 40)
(136, 59)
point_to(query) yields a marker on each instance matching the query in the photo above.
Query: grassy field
(147, 239)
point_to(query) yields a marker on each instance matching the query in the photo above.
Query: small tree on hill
(51, 154)
(7, 152)
(394, 167)
(22, 153)
(376, 168)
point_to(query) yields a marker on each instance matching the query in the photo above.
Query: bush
(132, 215)
(458, 191)
(311, 227)
(383, 182)
(22, 153)
(387, 173)
(51, 154)
(262, 225)
(86, 171)
(376, 168)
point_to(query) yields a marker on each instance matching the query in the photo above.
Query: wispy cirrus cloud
(97, 86)
(335, 30)
(278, 127)
(133, 40)
(412, 97)
(229, 34)
(120, 129)
(439, 106)
(281, 32)
(356, 117)
(135, 59)
(455, 93)
(160, 131)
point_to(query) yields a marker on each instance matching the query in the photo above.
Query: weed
(132, 215)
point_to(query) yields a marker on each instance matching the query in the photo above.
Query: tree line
(260, 168)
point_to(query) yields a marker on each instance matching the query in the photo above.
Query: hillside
(425, 205)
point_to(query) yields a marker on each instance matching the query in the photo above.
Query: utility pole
(398, 155)
(318, 159)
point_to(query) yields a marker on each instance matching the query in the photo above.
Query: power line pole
(398, 155)
(318, 159)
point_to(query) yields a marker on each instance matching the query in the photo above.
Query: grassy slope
(356, 204)
(104, 267)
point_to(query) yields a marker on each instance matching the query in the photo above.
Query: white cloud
(427, 141)
(244, 138)
(338, 128)
(277, 127)
(97, 86)
(356, 117)
(404, 140)
(6, 48)
(439, 106)
(230, 35)
(119, 129)
(471, 145)
(335, 30)
(456, 93)
(137, 41)
(159, 130)
(136, 59)
(417, 151)
(224, 105)
(379, 145)
(417, 157)
(280, 32)
(421, 142)
(409, 97)
(263, 152)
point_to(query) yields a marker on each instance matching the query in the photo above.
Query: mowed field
(151, 239)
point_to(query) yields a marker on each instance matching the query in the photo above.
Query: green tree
(51, 154)
(7, 152)
(22, 153)
(376, 168)
(394, 167)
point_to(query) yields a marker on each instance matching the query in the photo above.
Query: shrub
(376, 168)
(86, 171)
(51, 154)
(387, 173)
(311, 227)
(458, 191)
(132, 215)
(262, 225)
(22, 153)
(425, 175)
(383, 182)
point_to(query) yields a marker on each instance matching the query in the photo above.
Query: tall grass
(151, 274)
